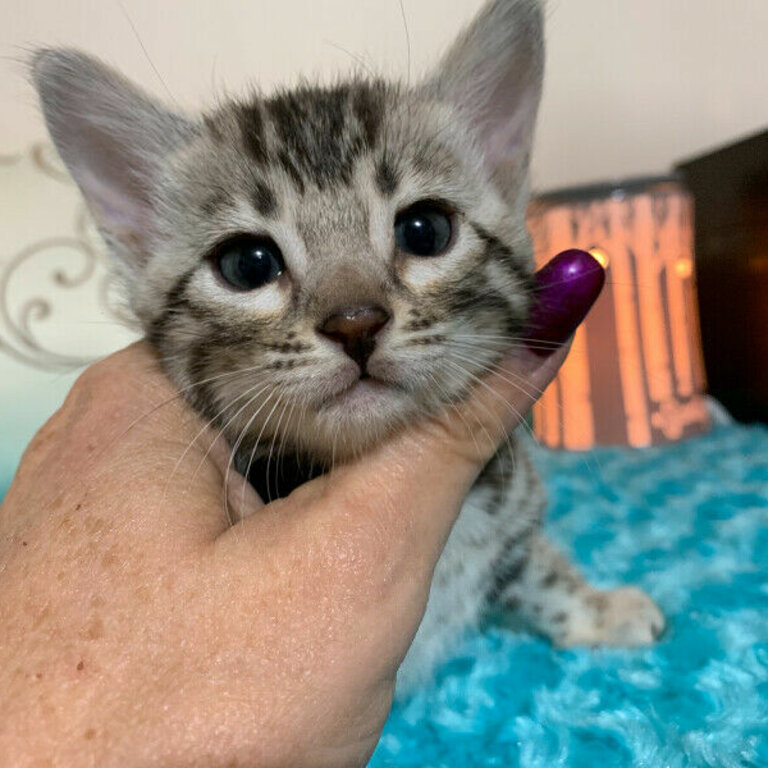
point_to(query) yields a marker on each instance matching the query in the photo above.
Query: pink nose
(355, 329)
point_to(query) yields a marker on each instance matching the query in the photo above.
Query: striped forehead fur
(314, 135)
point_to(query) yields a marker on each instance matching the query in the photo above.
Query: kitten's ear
(112, 137)
(493, 75)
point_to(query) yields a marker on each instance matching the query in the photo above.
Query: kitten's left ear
(113, 138)
(493, 75)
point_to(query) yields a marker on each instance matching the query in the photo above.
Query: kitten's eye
(424, 229)
(248, 262)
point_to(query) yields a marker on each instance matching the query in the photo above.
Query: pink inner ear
(112, 138)
(509, 126)
(114, 209)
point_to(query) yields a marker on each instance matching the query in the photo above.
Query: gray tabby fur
(323, 171)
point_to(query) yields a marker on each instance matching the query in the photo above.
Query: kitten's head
(319, 266)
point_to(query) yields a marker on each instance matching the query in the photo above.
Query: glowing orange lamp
(635, 373)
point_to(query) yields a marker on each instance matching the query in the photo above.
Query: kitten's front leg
(555, 599)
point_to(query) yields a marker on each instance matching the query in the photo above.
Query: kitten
(318, 267)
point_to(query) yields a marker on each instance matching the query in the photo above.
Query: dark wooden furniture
(730, 188)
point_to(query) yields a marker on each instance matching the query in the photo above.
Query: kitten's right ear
(112, 137)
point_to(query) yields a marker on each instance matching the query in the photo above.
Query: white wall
(632, 84)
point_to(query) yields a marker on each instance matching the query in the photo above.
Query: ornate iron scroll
(18, 322)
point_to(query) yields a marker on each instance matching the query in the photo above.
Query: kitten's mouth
(366, 383)
(366, 390)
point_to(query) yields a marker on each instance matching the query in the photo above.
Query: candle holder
(635, 373)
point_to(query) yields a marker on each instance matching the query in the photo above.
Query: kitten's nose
(355, 329)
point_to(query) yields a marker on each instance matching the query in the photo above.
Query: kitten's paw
(624, 617)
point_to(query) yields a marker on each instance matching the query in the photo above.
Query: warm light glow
(758, 264)
(684, 268)
(627, 329)
(632, 375)
(600, 256)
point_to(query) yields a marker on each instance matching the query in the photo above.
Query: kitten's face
(321, 266)
(358, 210)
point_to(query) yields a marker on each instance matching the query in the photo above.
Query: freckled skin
(172, 639)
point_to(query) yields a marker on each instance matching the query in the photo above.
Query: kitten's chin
(360, 416)
(365, 394)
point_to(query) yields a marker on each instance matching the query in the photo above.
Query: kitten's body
(326, 174)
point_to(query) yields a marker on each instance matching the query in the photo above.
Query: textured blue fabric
(687, 522)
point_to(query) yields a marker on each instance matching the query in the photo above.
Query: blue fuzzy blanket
(687, 522)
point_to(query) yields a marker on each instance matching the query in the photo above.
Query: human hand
(137, 628)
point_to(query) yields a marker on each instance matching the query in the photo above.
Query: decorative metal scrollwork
(10, 159)
(19, 319)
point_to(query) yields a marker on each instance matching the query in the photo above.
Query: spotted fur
(324, 170)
